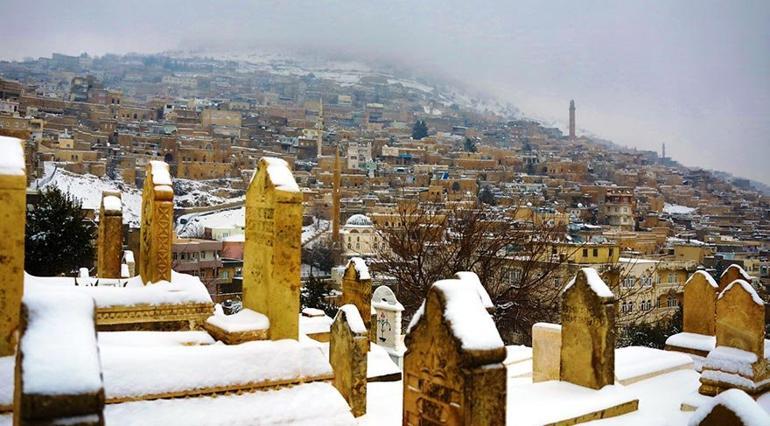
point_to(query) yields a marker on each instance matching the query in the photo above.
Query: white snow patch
(314, 325)
(700, 342)
(112, 204)
(160, 173)
(361, 268)
(747, 287)
(280, 174)
(354, 318)
(11, 156)
(636, 362)
(306, 404)
(595, 282)
(737, 401)
(182, 289)
(704, 274)
(61, 356)
(7, 364)
(379, 363)
(742, 272)
(241, 321)
(467, 316)
(677, 209)
(471, 277)
(154, 338)
(189, 367)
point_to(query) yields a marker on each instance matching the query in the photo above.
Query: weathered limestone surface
(546, 351)
(109, 243)
(12, 218)
(588, 332)
(699, 310)
(357, 289)
(388, 319)
(271, 275)
(347, 354)
(156, 232)
(740, 340)
(444, 382)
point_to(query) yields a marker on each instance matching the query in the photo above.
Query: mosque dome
(358, 220)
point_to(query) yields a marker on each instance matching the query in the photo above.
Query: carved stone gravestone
(453, 366)
(738, 360)
(347, 354)
(156, 231)
(271, 264)
(699, 309)
(357, 289)
(109, 243)
(588, 310)
(13, 184)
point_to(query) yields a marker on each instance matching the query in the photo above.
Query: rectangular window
(596, 252)
(585, 252)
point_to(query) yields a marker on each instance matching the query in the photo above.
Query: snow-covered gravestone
(453, 366)
(271, 264)
(109, 244)
(732, 273)
(588, 331)
(546, 351)
(156, 230)
(388, 320)
(13, 183)
(348, 346)
(700, 298)
(357, 289)
(731, 407)
(738, 360)
(58, 373)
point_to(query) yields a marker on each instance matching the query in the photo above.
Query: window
(611, 252)
(647, 282)
(671, 278)
(629, 281)
(585, 252)
(596, 252)
(671, 302)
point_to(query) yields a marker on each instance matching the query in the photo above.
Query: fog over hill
(692, 74)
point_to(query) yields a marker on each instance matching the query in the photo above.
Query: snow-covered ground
(677, 209)
(88, 189)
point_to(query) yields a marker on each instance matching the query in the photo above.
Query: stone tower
(572, 120)
(320, 127)
(336, 197)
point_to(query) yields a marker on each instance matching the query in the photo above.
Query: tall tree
(419, 130)
(58, 238)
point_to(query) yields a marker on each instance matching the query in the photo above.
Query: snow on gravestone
(732, 407)
(12, 216)
(699, 310)
(109, 244)
(156, 229)
(271, 264)
(588, 331)
(732, 273)
(738, 361)
(388, 319)
(357, 289)
(453, 366)
(58, 372)
(348, 345)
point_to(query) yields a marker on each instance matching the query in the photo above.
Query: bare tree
(517, 261)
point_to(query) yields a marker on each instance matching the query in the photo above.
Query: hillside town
(382, 248)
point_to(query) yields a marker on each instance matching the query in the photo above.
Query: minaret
(336, 197)
(572, 120)
(664, 151)
(320, 127)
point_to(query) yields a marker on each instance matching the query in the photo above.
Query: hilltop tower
(572, 120)
(664, 151)
(336, 197)
(320, 128)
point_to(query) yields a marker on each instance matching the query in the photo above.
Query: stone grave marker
(588, 310)
(271, 265)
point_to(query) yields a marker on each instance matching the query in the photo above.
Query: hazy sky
(693, 74)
